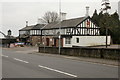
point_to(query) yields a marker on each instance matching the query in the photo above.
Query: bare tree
(105, 5)
(50, 16)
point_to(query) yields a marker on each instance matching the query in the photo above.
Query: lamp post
(44, 41)
(106, 36)
(59, 35)
(59, 43)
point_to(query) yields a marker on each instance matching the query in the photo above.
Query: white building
(74, 32)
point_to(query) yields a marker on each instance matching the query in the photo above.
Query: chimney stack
(62, 16)
(39, 21)
(26, 23)
(87, 11)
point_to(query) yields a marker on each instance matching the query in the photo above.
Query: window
(36, 32)
(33, 32)
(77, 40)
(43, 32)
(67, 40)
(68, 30)
(47, 32)
(39, 32)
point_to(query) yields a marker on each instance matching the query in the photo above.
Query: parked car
(21, 44)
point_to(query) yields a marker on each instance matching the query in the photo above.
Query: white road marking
(57, 71)
(4, 55)
(20, 60)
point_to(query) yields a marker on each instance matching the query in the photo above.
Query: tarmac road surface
(17, 64)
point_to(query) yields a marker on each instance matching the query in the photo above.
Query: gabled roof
(38, 26)
(66, 23)
(27, 28)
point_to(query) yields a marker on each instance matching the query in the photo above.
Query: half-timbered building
(35, 34)
(69, 32)
(31, 34)
(73, 32)
(24, 34)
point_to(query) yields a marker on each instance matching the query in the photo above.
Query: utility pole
(44, 40)
(44, 44)
(60, 27)
(106, 37)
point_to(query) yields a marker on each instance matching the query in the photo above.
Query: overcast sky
(14, 13)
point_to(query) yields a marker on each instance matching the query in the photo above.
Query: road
(20, 63)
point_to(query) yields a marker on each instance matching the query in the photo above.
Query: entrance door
(47, 41)
(54, 42)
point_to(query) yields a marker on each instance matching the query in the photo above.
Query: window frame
(67, 40)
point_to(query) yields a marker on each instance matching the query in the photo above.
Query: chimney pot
(63, 16)
(39, 21)
(26, 23)
(87, 11)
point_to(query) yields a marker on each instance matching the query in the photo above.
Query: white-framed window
(43, 32)
(46, 32)
(68, 30)
(67, 40)
(39, 32)
(33, 32)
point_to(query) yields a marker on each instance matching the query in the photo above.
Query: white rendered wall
(90, 40)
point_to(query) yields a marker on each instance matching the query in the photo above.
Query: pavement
(113, 46)
(26, 62)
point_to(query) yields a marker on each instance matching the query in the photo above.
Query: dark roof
(65, 23)
(23, 36)
(38, 26)
(27, 28)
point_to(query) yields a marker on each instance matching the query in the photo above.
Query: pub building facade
(74, 32)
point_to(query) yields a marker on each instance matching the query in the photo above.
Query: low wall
(84, 52)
